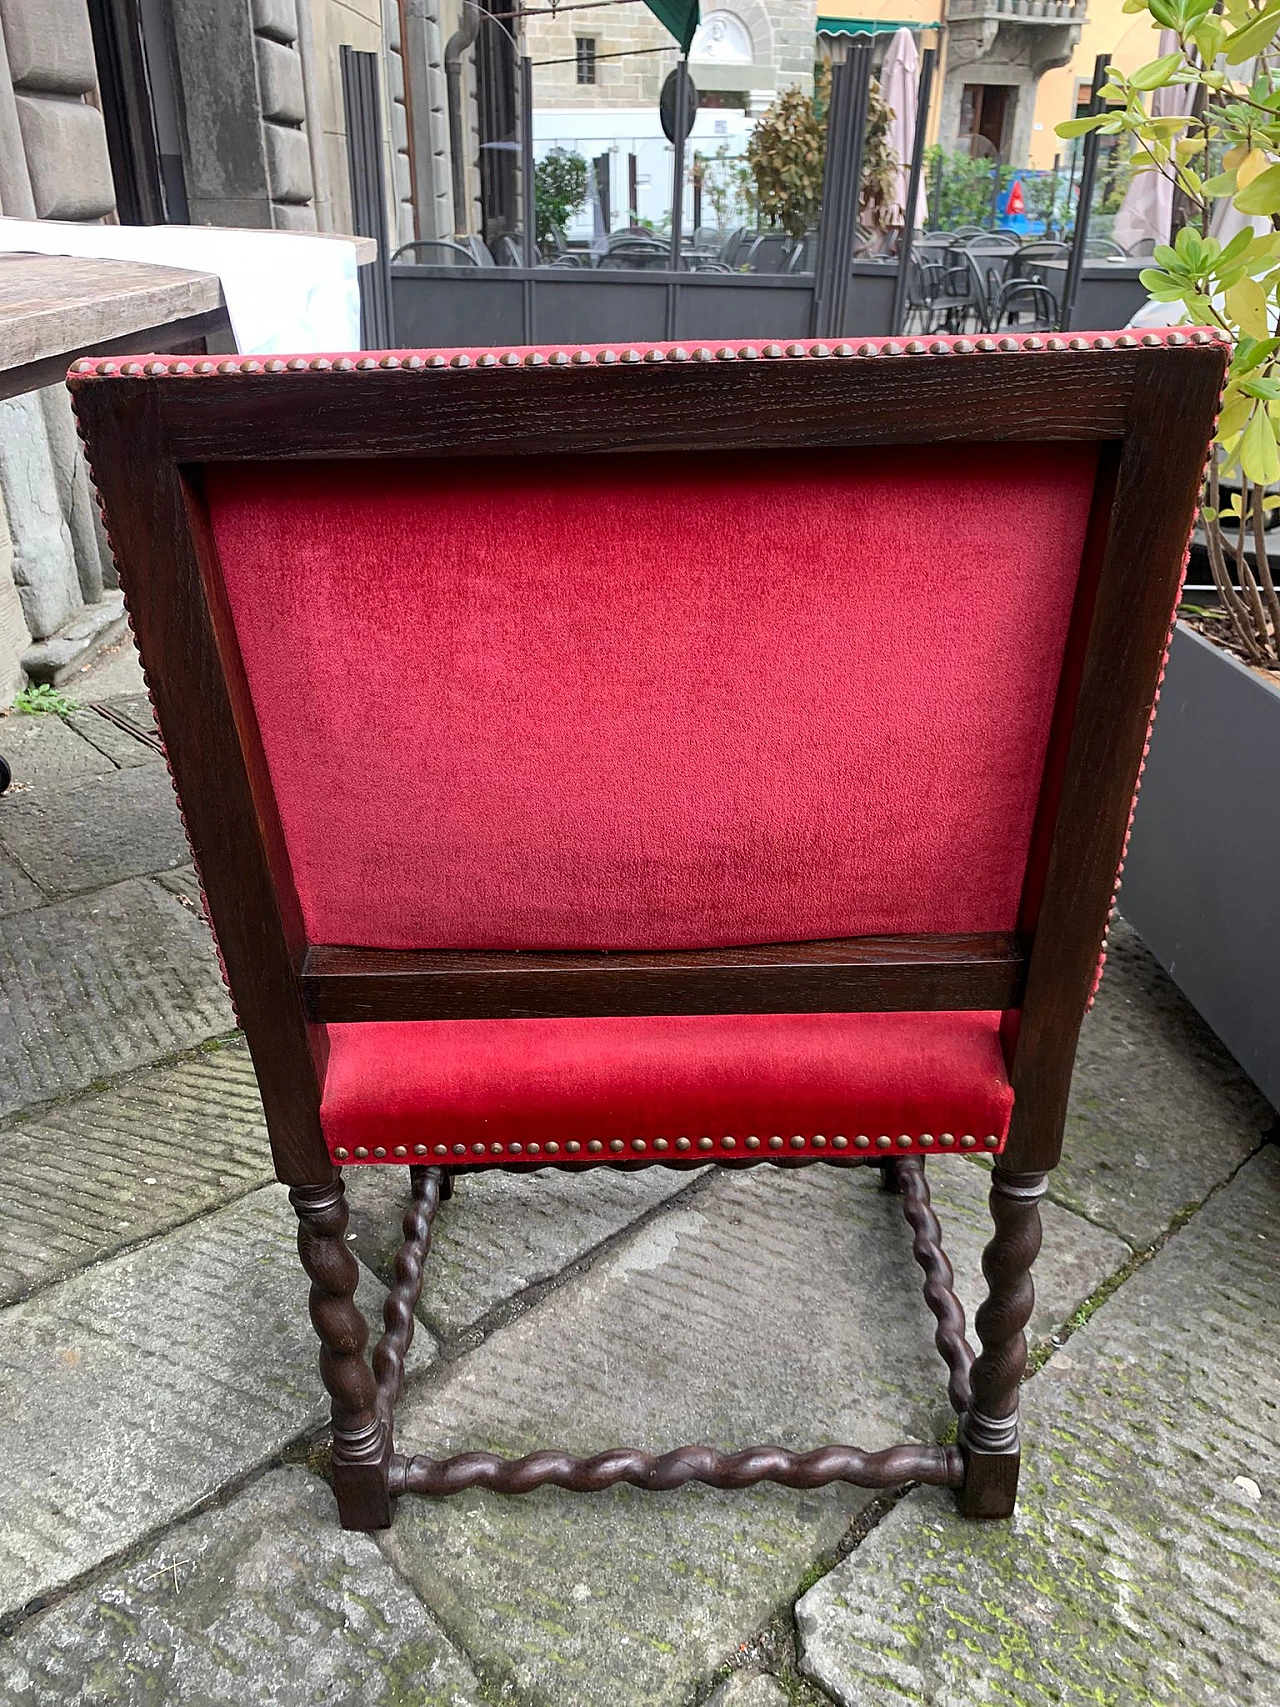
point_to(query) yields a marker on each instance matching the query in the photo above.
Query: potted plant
(1202, 877)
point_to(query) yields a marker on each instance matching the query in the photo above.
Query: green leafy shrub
(1227, 148)
(559, 189)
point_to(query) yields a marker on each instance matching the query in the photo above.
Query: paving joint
(501, 1315)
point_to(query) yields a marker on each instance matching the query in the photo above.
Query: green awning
(864, 26)
(678, 16)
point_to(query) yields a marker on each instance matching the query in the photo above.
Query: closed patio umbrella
(899, 82)
(1147, 209)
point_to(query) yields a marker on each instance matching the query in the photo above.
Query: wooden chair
(659, 757)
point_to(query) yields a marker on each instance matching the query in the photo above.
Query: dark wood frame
(1148, 403)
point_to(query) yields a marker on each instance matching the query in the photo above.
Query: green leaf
(1223, 185)
(1156, 72)
(1267, 389)
(1254, 37)
(1246, 304)
(1258, 455)
(1262, 195)
(1078, 127)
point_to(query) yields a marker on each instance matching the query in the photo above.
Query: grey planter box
(1202, 878)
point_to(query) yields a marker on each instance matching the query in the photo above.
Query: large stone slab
(775, 1306)
(501, 1234)
(18, 894)
(99, 832)
(1160, 1113)
(134, 1391)
(101, 983)
(1144, 1562)
(84, 1178)
(263, 1602)
(122, 746)
(43, 752)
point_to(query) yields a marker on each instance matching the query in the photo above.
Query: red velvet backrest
(645, 701)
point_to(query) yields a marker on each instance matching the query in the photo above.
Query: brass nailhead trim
(661, 1145)
(400, 1150)
(775, 1143)
(728, 1143)
(380, 1150)
(968, 1142)
(553, 1149)
(704, 1144)
(361, 1152)
(682, 1144)
(797, 1143)
(639, 1144)
(753, 1143)
(862, 1141)
(595, 1146)
(340, 1154)
(616, 1144)
(884, 1142)
(840, 1141)
(573, 1146)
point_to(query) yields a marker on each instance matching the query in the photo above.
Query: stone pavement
(166, 1532)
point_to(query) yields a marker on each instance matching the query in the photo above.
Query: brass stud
(1056, 344)
(344, 364)
(862, 1141)
(435, 361)
(553, 1149)
(773, 351)
(775, 1143)
(363, 365)
(986, 345)
(916, 347)
(868, 350)
(413, 363)
(682, 1144)
(704, 1144)
(558, 359)
(606, 358)
(460, 360)
(1031, 344)
(884, 1142)
(1102, 343)
(361, 1153)
(440, 1149)
(728, 1143)
(724, 353)
(926, 1140)
(639, 1144)
(459, 1149)
(992, 1142)
(1126, 342)
(819, 350)
(401, 1150)
(616, 1144)
(582, 358)
(840, 1142)
(341, 1154)
(156, 368)
(495, 1149)
(1199, 337)
(702, 354)
(517, 1149)
(487, 360)
(389, 362)
(535, 1149)
(939, 349)
(185, 367)
(968, 1142)
(679, 354)
(1151, 341)
(894, 349)
(1177, 338)
(947, 1141)
(905, 1141)
(296, 364)
(380, 1150)
(594, 1146)
(843, 350)
(661, 1146)
(795, 349)
(654, 356)
(478, 1149)
(797, 1143)
(753, 1143)
(319, 364)
(819, 1142)
(748, 353)
(535, 358)
(1077, 343)
(1008, 345)
(82, 366)
(510, 359)
(631, 355)
(963, 346)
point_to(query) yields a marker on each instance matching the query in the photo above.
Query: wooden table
(54, 308)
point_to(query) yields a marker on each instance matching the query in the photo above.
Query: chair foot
(992, 1460)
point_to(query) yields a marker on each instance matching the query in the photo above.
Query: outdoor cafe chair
(541, 824)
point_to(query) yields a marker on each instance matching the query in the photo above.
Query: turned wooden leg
(989, 1429)
(361, 1437)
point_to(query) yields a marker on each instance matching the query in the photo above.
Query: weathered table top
(54, 308)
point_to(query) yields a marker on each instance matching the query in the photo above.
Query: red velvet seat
(670, 1085)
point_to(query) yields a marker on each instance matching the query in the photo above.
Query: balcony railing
(1022, 11)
